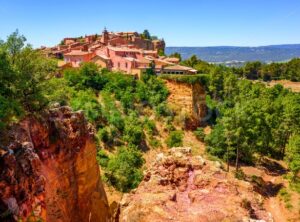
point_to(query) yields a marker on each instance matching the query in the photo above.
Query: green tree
(29, 71)
(146, 34)
(14, 44)
(252, 70)
(176, 55)
(191, 62)
(9, 106)
(124, 169)
(293, 154)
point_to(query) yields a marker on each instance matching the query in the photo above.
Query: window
(126, 65)
(118, 65)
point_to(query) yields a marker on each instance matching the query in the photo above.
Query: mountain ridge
(268, 53)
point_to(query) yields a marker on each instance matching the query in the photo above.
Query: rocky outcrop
(49, 171)
(181, 187)
(188, 98)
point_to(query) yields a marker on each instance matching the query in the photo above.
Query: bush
(104, 135)
(175, 139)
(150, 126)
(102, 158)
(86, 101)
(88, 76)
(133, 130)
(199, 133)
(154, 142)
(162, 110)
(124, 169)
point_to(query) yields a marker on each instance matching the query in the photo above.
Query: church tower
(105, 37)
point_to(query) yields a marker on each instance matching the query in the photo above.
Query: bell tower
(105, 37)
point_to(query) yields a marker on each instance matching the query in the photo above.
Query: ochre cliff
(189, 98)
(49, 171)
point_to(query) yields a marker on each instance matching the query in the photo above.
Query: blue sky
(179, 22)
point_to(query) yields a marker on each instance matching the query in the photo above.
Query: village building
(76, 57)
(178, 69)
(128, 52)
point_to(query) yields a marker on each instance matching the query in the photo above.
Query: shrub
(175, 139)
(154, 142)
(286, 197)
(199, 133)
(150, 126)
(86, 101)
(102, 158)
(88, 76)
(162, 110)
(104, 135)
(133, 130)
(124, 169)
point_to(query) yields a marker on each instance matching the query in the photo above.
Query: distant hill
(223, 54)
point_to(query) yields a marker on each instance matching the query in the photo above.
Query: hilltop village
(129, 52)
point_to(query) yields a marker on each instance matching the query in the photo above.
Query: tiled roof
(77, 53)
(181, 68)
(172, 59)
(102, 56)
(149, 51)
(123, 49)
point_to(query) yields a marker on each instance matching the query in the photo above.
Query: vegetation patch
(190, 79)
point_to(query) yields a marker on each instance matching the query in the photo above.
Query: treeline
(273, 71)
(251, 70)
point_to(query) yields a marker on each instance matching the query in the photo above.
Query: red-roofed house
(126, 59)
(75, 57)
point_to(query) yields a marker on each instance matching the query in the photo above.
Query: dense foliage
(252, 119)
(123, 170)
(175, 139)
(23, 74)
(273, 71)
(111, 102)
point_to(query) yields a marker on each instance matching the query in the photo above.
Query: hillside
(91, 144)
(232, 53)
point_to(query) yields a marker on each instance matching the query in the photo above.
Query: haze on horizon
(180, 23)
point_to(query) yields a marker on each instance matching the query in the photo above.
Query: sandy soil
(294, 86)
(273, 178)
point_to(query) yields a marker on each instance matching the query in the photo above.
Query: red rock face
(180, 187)
(190, 99)
(49, 171)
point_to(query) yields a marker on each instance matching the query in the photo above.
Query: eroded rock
(181, 187)
(49, 171)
